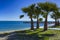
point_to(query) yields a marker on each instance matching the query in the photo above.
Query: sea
(16, 25)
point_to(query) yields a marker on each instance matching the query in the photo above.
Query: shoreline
(2, 32)
(26, 29)
(9, 31)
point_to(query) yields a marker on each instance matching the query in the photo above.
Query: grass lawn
(36, 35)
(40, 35)
(58, 27)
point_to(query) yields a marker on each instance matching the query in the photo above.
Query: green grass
(58, 27)
(38, 34)
(42, 35)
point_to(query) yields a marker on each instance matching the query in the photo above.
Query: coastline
(2, 32)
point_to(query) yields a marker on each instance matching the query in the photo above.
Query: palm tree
(46, 7)
(56, 16)
(37, 12)
(29, 10)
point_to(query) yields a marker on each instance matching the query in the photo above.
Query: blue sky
(10, 10)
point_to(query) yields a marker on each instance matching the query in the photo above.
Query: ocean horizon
(16, 25)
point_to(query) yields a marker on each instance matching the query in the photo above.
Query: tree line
(42, 9)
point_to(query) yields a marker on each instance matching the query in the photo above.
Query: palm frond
(21, 16)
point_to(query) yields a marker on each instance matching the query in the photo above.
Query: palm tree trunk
(45, 24)
(32, 26)
(55, 22)
(58, 23)
(37, 23)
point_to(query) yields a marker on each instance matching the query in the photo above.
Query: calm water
(15, 25)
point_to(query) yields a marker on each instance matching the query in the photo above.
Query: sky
(10, 10)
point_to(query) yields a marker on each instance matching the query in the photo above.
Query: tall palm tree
(29, 10)
(58, 18)
(55, 14)
(46, 7)
(37, 12)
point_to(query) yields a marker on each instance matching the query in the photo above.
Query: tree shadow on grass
(23, 36)
(48, 35)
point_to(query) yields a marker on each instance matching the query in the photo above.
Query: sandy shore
(2, 32)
